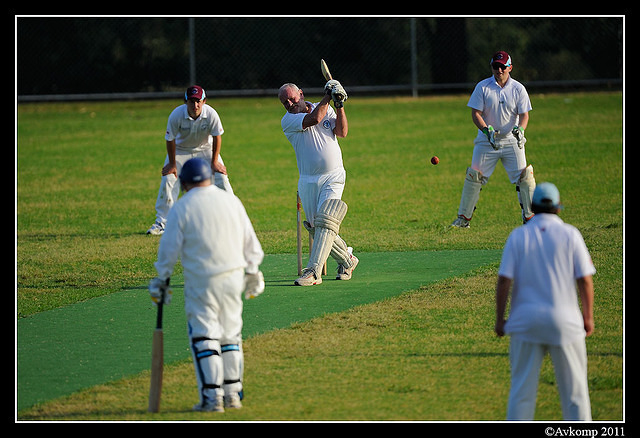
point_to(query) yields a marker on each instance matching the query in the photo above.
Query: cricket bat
(327, 75)
(157, 362)
(325, 70)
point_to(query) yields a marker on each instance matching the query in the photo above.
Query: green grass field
(87, 179)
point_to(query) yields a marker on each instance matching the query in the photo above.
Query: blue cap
(195, 170)
(546, 195)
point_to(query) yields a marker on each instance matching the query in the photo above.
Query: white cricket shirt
(191, 134)
(500, 106)
(544, 258)
(209, 230)
(316, 148)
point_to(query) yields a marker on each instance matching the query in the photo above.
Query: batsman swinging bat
(325, 70)
(157, 362)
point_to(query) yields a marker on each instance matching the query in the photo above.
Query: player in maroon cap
(500, 108)
(194, 129)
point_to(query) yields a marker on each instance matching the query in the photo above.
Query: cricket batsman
(313, 130)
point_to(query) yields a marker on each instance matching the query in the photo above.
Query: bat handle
(160, 303)
(159, 315)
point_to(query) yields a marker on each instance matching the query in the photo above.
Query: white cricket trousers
(214, 306)
(570, 366)
(170, 186)
(214, 314)
(485, 158)
(314, 190)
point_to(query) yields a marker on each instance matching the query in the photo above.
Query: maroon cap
(501, 57)
(195, 91)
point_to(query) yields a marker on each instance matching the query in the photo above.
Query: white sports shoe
(345, 273)
(308, 278)
(232, 401)
(460, 222)
(156, 229)
(216, 405)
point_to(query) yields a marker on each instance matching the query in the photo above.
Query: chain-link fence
(119, 57)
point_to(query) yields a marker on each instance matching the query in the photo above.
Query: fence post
(414, 59)
(192, 51)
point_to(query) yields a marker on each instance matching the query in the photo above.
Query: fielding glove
(254, 285)
(160, 291)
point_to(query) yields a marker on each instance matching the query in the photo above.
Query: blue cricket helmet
(195, 170)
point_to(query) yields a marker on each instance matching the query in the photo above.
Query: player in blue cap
(209, 231)
(542, 263)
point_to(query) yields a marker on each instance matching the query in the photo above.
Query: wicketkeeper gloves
(491, 135)
(518, 133)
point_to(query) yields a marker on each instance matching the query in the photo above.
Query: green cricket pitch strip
(106, 338)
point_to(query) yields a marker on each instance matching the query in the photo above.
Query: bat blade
(157, 359)
(325, 70)
(157, 364)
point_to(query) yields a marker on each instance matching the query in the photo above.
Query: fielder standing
(194, 129)
(544, 260)
(313, 130)
(209, 230)
(500, 108)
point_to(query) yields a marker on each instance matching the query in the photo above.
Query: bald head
(292, 98)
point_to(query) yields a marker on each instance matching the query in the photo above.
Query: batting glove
(339, 95)
(518, 133)
(329, 86)
(160, 291)
(491, 135)
(254, 285)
